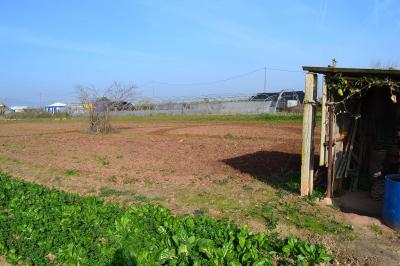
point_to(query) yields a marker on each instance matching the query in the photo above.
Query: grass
(102, 160)
(112, 178)
(140, 198)
(71, 172)
(5, 160)
(37, 115)
(247, 187)
(167, 171)
(376, 229)
(7, 147)
(272, 207)
(304, 215)
(108, 192)
(130, 181)
(221, 181)
(205, 118)
(277, 117)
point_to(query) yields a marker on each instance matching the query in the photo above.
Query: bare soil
(226, 169)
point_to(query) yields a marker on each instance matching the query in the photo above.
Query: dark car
(265, 96)
(293, 95)
(273, 96)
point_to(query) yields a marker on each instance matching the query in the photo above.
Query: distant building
(19, 109)
(55, 107)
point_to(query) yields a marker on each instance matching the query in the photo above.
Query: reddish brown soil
(176, 164)
(165, 152)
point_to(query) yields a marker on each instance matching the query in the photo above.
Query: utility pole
(265, 79)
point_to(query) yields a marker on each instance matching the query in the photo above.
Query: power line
(209, 82)
(222, 80)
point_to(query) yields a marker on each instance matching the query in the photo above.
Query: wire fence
(260, 103)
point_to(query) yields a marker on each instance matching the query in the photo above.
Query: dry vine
(350, 89)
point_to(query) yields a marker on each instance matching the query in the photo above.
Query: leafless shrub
(390, 64)
(99, 105)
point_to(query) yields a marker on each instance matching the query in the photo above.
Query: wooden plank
(307, 161)
(322, 148)
(359, 72)
(313, 116)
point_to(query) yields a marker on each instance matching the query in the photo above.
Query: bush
(40, 226)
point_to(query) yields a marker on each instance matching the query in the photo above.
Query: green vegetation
(130, 181)
(301, 214)
(37, 115)
(221, 181)
(206, 118)
(4, 160)
(112, 178)
(102, 160)
(57, 179)
(72, 172)
(376, 229)
(45, 226)
(140, 198)
(108, 192)
(278, 117)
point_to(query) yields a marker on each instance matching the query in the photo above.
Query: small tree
(99, 105)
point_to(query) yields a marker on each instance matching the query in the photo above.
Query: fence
(261, 103)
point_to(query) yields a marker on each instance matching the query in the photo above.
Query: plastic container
(391, 205)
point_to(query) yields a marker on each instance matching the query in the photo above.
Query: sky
(178, 48)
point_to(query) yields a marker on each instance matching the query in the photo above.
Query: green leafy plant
(42, 226)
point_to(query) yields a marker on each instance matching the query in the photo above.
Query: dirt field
(244, 171)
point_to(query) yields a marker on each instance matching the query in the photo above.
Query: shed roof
(58, 104)
(355, 72)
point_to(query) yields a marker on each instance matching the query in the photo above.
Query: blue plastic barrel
(391, 205)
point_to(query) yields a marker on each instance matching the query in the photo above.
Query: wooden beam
(322, 148)
(307, 156)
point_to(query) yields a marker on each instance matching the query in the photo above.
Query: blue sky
(48, 47)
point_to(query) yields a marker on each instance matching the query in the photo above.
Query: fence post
(307, 155)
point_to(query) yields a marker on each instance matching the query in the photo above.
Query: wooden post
(307, 156)
(322, 148)
(329, 189)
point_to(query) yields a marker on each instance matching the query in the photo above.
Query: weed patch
(376, 229)
(140, 198)
(102, 160)
(71, 172)
(130, 181)
(6, 160)
(221, 181)
(108, 192)
(247, 187)
(112, 178)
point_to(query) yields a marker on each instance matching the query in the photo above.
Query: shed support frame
(307, 155)
(324, 124)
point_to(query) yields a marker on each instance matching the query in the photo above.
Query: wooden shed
(360, 127)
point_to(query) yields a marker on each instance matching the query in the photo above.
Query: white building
(19, 109)
(55, 107)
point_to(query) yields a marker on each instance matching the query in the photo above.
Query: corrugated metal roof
(355, 72)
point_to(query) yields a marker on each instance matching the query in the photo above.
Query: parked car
(265, 96)
(273, 96)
